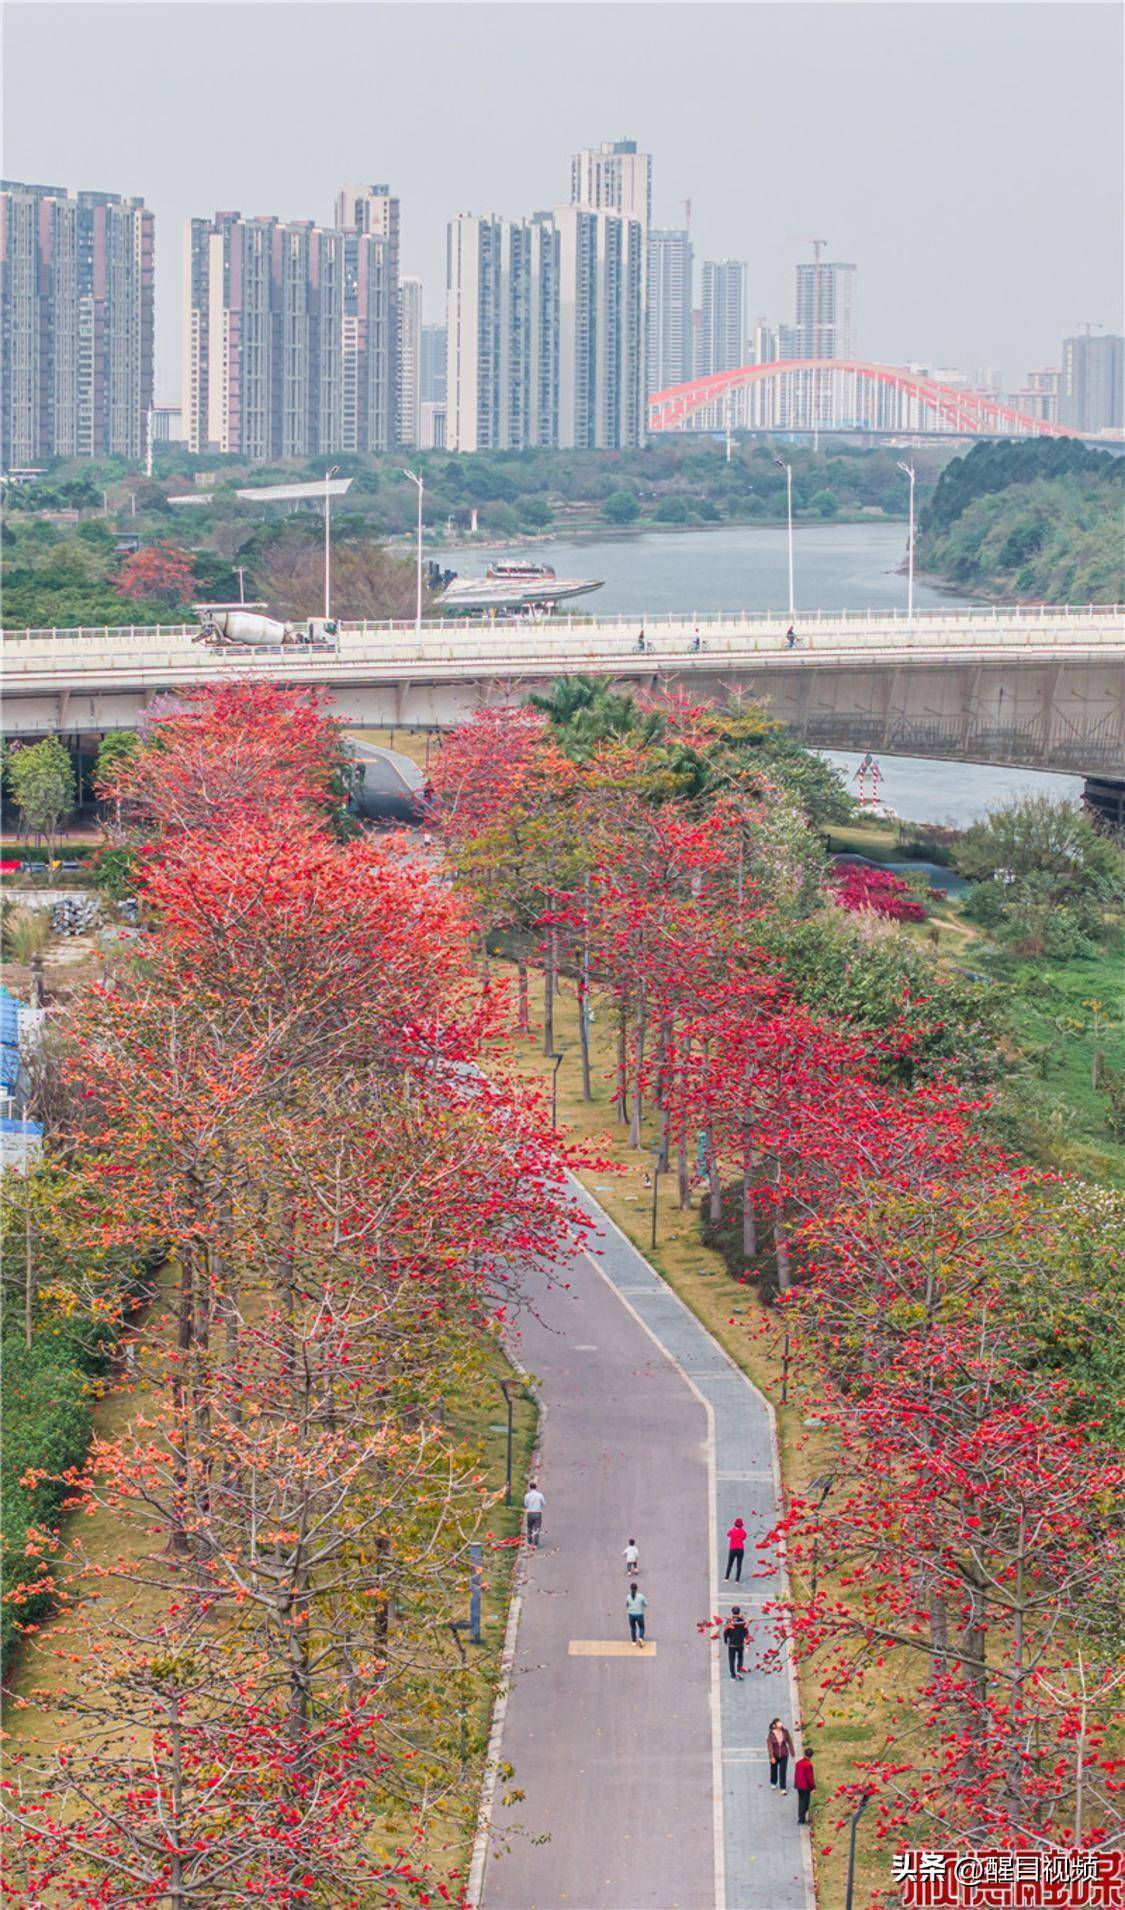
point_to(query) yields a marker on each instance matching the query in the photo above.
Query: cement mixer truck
(227, 629)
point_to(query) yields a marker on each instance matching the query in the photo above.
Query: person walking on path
(735, 1633)
(533, 1503)
(636, 1606)
(632, 1556)
(779, 1749)
(736, 1546)
(804, 1783)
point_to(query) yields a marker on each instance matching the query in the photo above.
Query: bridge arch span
(805, 394)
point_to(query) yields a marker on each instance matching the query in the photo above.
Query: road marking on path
(717, 1827)
(611, 1648)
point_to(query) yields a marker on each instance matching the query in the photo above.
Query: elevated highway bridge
(1036, 687)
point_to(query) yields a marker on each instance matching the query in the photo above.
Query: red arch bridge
(833, 394)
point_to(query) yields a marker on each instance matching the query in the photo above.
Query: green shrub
(46, 1428)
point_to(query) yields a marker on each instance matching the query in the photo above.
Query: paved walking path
(644, 1779)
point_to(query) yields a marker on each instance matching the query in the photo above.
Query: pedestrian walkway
(644, 1779)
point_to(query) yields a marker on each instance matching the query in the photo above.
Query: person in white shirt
(631, 1556)
(533, 1503)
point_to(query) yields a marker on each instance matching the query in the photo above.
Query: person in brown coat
(779, 1750)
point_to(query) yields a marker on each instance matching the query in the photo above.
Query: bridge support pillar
(1106, 798)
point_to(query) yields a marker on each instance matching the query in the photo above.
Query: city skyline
(939, 286)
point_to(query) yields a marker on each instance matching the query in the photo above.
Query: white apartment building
(825, 325)
(544, 331)
(725, 324)
(263, 337)
(410, 359)
(502, 333)
(374, 211)
(613, 177)
(601, 329)
(669, 356)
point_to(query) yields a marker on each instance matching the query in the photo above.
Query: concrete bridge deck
(1041, 688)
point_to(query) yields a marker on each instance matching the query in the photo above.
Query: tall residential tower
(76, 324)
(724, 318)
(825, 311)
(669, 330)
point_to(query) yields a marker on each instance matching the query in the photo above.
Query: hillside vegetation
(1039, 521)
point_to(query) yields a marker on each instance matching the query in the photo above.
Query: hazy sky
(967, 157)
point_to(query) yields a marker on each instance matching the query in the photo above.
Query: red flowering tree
(160, 573)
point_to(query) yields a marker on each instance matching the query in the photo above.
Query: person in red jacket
(804, 1783)
(736, 1546)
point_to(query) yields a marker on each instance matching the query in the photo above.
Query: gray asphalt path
(643, 1779)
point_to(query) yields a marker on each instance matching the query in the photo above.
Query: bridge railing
(576, 649)
(808, 623)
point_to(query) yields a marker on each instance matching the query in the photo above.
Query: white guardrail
(520, 643)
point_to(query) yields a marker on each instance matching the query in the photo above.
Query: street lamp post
(504, 1385)
(856, 1815)
(909, 471)
(556, 1056)
(328, 476)
(240, 570)
(416, 478)
(788, 470)
(823, 1486)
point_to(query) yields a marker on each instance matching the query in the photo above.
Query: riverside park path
(643, 1775)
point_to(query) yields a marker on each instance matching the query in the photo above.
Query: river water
(744, 567)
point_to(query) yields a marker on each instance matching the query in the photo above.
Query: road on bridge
(643, 1777)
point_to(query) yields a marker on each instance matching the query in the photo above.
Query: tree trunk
(584, 1035)
(620, 1095)
(749, 1229)
(781, 1251)
(638, 1071)
(549, 992)
(524, 1004)
(715, 1192)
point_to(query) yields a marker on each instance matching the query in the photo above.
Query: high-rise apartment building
(601, 330)
(433, 364)
(264, 337)
(76, 324)
(410, 359)
(613, 177)
(725, 325)
(825, 311)
(1092, 385)
(374, 211)
(669, 329)
(502, 367)
(544, 332)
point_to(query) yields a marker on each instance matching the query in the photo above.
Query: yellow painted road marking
(610, 1648)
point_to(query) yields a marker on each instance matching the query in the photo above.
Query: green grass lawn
(1055, 1025)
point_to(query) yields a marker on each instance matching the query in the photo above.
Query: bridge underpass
(1027, 689)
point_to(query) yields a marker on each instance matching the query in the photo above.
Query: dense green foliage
(46, 1430)
(41, 779)
(872, 977)
(62, 576)
(60, 1301)
(1046, 881)
(731, 745)
(1039, 520)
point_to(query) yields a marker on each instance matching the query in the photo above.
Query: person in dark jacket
(735, 1633)
(804, 1783)
(779, 1750)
